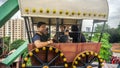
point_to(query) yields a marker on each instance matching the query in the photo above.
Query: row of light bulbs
(84, 54)
(44, 48)
(66, 12)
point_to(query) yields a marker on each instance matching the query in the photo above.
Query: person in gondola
(63, 35)
(76, 35)
(39, 38)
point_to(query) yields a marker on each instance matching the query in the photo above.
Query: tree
(114, 35)
(6, 40)
(99, 27)
(114, 32)
(16, 44)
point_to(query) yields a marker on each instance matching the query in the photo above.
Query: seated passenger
(61, 34)
(76, 36)
(39, 38)
(63, 39)
(46, 34)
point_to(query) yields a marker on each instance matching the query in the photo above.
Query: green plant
(15, 44)
(105, 51)
(25, 54)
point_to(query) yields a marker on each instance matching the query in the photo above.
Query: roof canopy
(69, 9)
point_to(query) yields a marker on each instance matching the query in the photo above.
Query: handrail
(7, 10)
(10, 59)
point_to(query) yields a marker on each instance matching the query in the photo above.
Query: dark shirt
(46, 37)
(63, 38)
(37, 36)
(77, 37)
(59, 35)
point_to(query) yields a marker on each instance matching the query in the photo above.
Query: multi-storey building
(15, 29)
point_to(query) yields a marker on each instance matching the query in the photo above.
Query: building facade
(15, 29)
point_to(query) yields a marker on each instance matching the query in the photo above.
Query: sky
(114, 12)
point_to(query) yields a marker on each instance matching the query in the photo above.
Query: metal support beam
(92, 31)
(26, 25)
(49, 28)
(57, 28)
(7, 10)
(10, 59)
(102, 32)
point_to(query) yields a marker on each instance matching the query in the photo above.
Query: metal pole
(50, 28)
(57, 28)
(62, 21)
(25, 18)
(33, 26)
(80, 25)
(29, 27)
(80, 28)
(102, 32)
(3, 39)
(92, 31)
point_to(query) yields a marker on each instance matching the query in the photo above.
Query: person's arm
(40, 44)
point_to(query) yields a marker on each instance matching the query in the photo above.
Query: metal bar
(92, 60)
(80, 28)
(83, 62)
(99, 64)
(54, 59)
(38, 59)
(80, 24)
(57, 66)
(82, 67)
(46, 57)
(62, 21)
(11, 58)
(94, 65)
(102, 32)
(27, 29)
(92, 31)
(57, 28)
(50, 28)
(33, 67)
(33, 26)
(87, 58)
(7, 10)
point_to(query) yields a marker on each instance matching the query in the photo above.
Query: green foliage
(16, 44)
(105, 52)
(86, 36)
(25, 54)
(114, 35)
(6, 40)
(114, 32)
(99, 27)
(29, 62)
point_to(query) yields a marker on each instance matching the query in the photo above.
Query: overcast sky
(114, 12)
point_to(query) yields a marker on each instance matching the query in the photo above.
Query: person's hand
(67, 33)
(50, 42)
